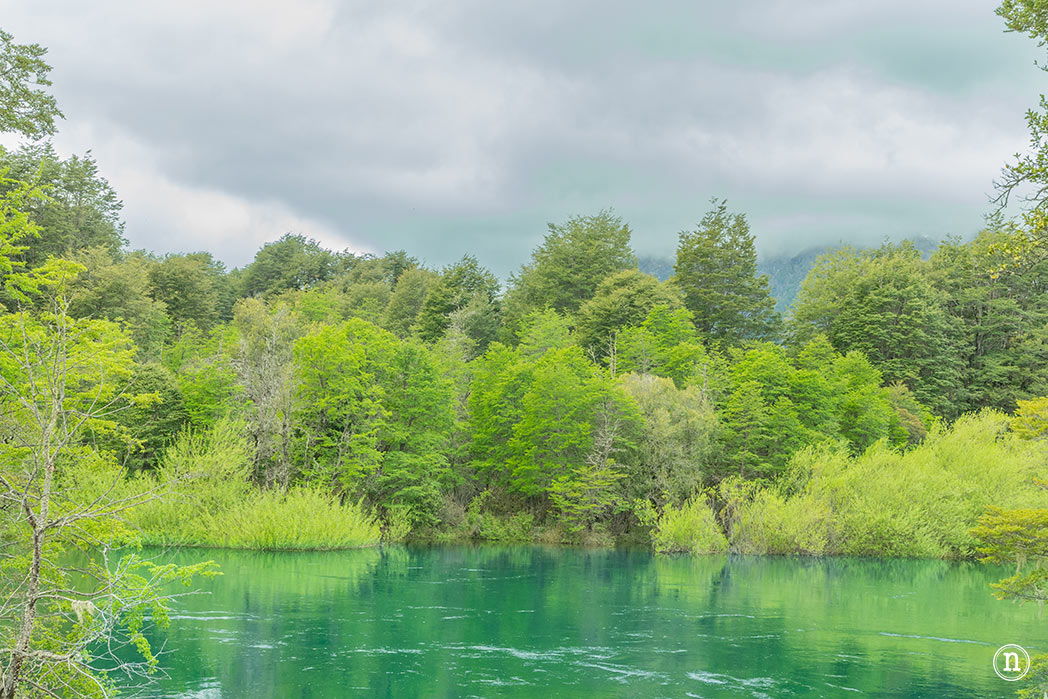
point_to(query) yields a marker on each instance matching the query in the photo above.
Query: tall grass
(211, 502)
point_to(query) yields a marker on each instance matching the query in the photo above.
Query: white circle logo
(1011, 662)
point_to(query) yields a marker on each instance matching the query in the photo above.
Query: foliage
(371, 416)
(678, 444)
(1031, 418)
(574, 258)
(621, 300)
(689, 528)
(716, 271)
(193, 289)
(291, 263)
(921, 502)
(882, 303)
(459, 285)
(80, 211)
(25, 107)
(217, 506)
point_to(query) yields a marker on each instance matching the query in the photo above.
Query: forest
(318, 399)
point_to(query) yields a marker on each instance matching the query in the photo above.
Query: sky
(466, 126)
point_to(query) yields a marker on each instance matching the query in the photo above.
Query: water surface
(551, 622)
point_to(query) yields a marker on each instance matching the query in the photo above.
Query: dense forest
(318, 399)
(585, 402)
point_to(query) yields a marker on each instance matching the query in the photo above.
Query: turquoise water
(555, 622)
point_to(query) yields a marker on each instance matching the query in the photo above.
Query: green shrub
(917, 503)
(690, 528)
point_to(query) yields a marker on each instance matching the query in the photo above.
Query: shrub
(690, 528)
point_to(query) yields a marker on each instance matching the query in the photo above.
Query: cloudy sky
(465, 126)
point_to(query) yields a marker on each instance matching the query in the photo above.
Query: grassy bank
(209, 501)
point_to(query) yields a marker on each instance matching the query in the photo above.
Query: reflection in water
(533, 621)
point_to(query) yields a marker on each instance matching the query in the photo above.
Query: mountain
(785, 271)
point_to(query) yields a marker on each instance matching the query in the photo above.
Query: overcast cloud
(445, 128)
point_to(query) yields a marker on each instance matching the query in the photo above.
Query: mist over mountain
(785, 270)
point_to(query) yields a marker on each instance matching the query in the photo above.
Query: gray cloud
(446, 128)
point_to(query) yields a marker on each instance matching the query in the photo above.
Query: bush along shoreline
(920, 502)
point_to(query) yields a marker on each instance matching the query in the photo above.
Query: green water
(546, 622)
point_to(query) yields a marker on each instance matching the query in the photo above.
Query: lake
(528, 621)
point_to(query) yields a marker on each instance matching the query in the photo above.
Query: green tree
(667, 344)
(569, 265)
(459, 285)
(193, 289)
(716, 271)
(81, 209)
(622, 300)
(118, 289)
(676, 448)
(372, 414)
(882, 303)
(405, 304)
(147, 420)
(26, 107)
(1001, 324)
(291, 263)
(266, 374)
(61, 379)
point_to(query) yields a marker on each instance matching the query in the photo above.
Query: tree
(676, 447)
(193, 289)
(1001, 324)
(372, 415)
(291, 263)
(62, 626)
(1026, 178)
(882, 303)
(25, 106)
(569, 265)
(118, 289)
(266, 374)
(405, 304)
(666, 344)
(81, 209)
(148, 420)
(716, 271)
(622, 300)
(458, 286)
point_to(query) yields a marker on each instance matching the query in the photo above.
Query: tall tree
(1001, 324)
(882, 303)
(81, 209)
(569, 265)
(26, 107)
(717, 272)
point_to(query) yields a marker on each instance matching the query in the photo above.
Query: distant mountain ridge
(785, 271)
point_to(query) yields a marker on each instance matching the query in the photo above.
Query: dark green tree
(1001, 322)
(459, 285)
(81, 209)
(716, 271)
(882, 303)
(292, 263)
